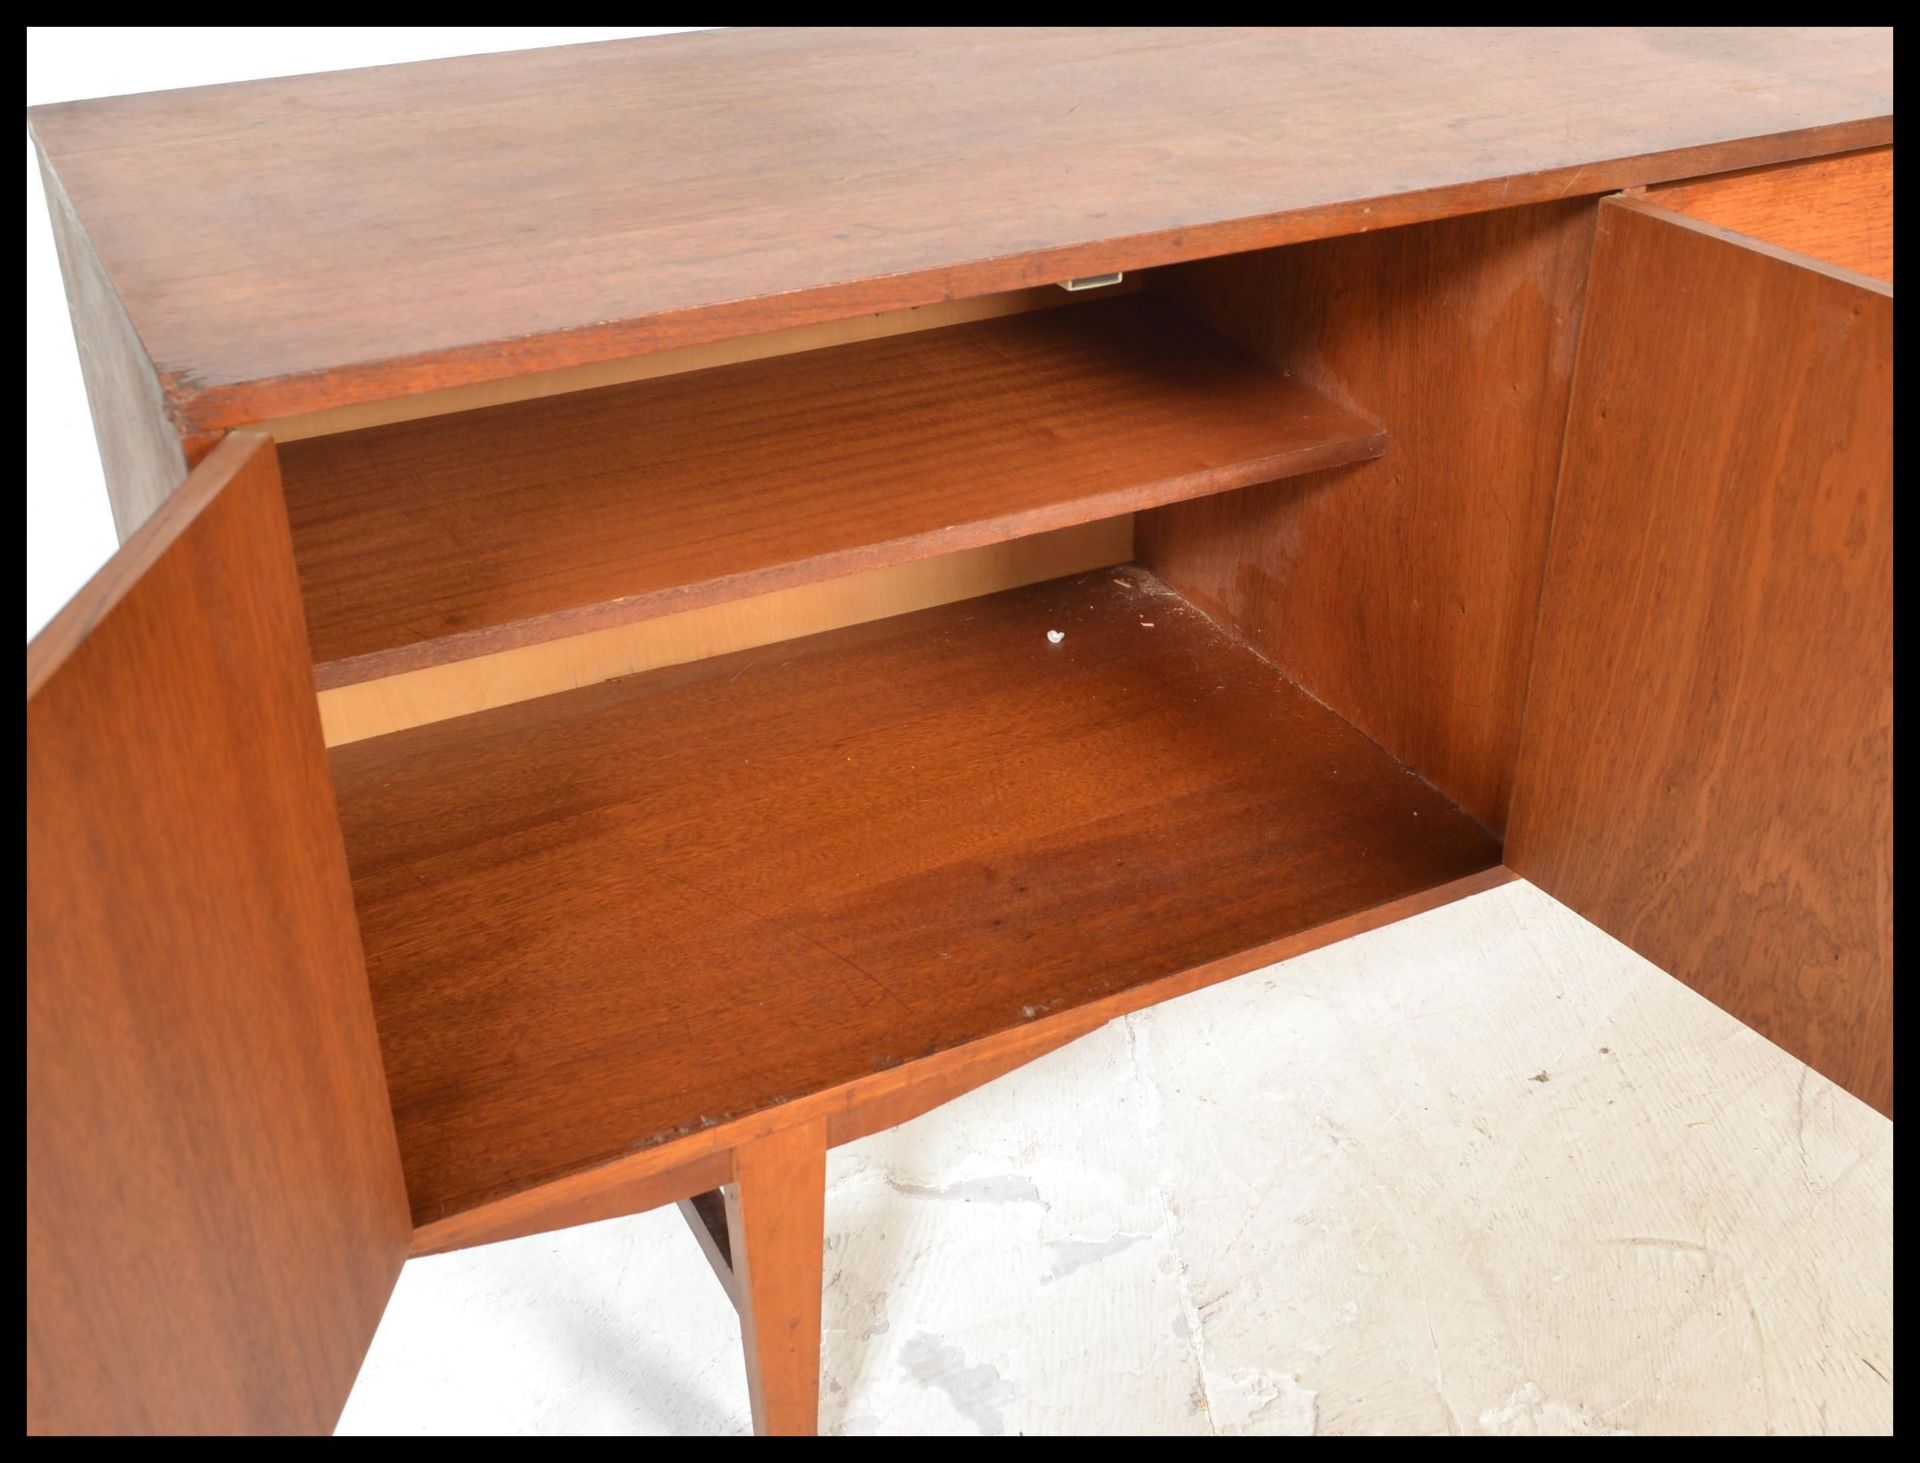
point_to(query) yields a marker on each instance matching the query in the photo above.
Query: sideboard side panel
(1839, 209)
(140, 452)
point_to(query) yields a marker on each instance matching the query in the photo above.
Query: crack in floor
(1150, 1139)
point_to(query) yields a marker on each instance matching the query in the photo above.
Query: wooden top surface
(606, 919)
(294, 245)
(429, 541)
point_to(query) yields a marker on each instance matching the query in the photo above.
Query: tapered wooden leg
(776, 1220)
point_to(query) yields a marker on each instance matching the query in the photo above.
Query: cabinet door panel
(1706, 767)
(215, 1213)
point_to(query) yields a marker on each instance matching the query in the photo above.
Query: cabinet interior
(716, 736)
(782, 662)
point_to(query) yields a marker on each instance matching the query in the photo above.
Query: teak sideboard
(653, 637)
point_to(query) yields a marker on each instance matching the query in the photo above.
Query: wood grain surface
(776, 1227)
(1707, 771)
(460, 687)
(603, 920)
(427, 542)
(1835, 209)
(140, 453)
(650, 1177)
(1403, 593)
(706, 1217)
(955, 1073)
(675, 361)
(559, 1206)
(297, 245)
(215, 1210)
(1355, 1149)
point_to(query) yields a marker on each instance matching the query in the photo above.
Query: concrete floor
(1485, 1171)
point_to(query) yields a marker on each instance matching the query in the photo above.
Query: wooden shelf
(431, 541)
(602, 919)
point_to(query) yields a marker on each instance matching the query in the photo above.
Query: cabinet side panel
(1838, 209)
(215, 1211)
(1707, 769)
(1402, 592)
(140, 453)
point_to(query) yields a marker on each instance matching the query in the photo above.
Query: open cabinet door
(215, 1212)
(1706, 770)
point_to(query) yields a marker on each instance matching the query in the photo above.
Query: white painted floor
(1485, 1171)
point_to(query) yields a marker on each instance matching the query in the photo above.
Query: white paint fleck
(1000, 1188)
(1526, 1414)
(1264, 1403)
